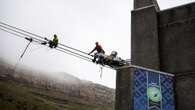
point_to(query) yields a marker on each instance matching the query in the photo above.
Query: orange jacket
(98, 48)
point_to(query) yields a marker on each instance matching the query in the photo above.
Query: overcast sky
(79, 24)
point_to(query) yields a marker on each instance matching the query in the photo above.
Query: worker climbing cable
(98, 54)
(52, 43)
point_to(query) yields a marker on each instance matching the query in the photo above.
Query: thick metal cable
(42, 41)
(12, 33)
(15, 32)
(41, 37)
(39, 41)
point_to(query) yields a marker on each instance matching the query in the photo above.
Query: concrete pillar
(144, 3)
(144, 37)
(123, 89)
(185, 91)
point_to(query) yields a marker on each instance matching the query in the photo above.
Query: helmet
(96, 43)
(55, 35)
(114, 53)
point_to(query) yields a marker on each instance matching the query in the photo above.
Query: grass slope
(18, 97)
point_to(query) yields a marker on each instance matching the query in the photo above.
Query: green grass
(17, 97)
(14, 97)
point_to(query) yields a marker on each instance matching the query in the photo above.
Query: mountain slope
(14, 97)
(28, 90)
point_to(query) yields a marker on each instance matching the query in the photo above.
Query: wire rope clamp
(29, 39)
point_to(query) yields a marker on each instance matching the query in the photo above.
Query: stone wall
(123, 92)
(165, 40)
(177, 51)
(144, 41)
(177, 39)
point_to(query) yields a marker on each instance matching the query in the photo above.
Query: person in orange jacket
(97, 48)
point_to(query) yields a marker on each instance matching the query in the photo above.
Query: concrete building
(164, 40)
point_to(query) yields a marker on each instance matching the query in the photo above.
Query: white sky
(79, 24)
